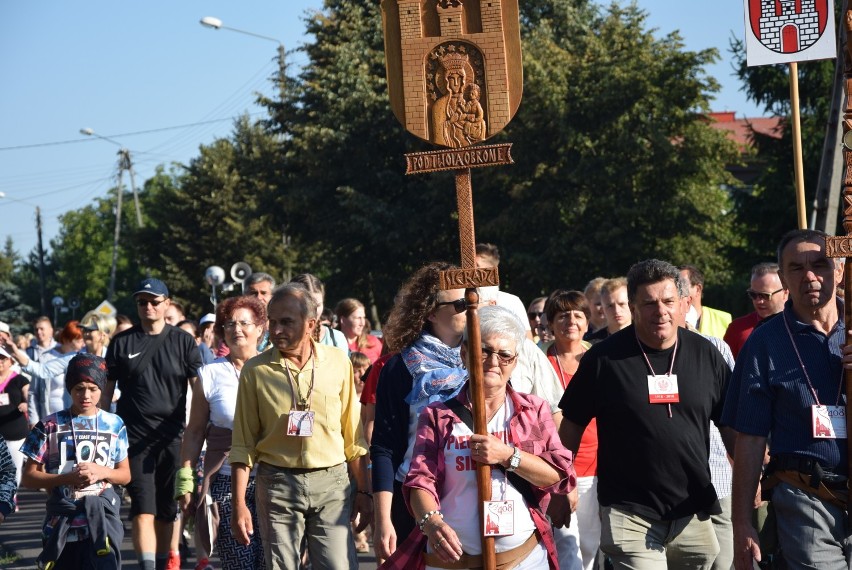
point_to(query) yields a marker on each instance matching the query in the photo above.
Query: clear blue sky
(125, 67)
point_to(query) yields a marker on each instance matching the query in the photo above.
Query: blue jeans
(637, 543)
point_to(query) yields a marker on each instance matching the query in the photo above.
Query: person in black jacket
(425, 327)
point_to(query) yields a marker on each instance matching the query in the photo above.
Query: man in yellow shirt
(296, 421)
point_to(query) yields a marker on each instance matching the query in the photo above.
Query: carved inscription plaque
(838, 246)
(470, 278)
(476, 157)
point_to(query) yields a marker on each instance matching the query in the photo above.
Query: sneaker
(173, 562)
(204, 564)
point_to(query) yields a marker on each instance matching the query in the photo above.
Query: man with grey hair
(768, 296)
(296, 420)
(654, 388)
(260, 285)
(786, 391)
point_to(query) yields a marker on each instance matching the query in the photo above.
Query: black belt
(807, 466)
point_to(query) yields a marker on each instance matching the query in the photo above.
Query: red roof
(740, 129)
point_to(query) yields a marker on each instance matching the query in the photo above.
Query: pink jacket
(531, 428)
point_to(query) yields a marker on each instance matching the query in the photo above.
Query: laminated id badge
(4, 399)
(828, 422)
(662, 389)
(300, 423)
(498, 518)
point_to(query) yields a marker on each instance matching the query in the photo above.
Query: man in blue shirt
(788, 384)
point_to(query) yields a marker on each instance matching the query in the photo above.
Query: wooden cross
(841, 246)
(469, 277)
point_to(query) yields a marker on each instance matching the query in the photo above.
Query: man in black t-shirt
(153, 363)
(654, 387)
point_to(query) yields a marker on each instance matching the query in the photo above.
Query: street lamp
(41, 277)
(216, 24)
(124, 163)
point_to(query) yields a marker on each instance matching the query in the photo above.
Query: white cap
(4, 328)
(208, 318)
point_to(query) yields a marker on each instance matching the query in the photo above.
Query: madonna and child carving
(457, 118)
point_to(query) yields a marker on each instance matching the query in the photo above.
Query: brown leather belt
(838, 497)
(505, 560)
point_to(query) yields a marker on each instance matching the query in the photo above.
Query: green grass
(8, 556)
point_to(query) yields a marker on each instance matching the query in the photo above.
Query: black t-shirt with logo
(650, 464)
(153, 400)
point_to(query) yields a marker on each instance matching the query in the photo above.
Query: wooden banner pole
(798, 165)
(841, 246)
(467, 243)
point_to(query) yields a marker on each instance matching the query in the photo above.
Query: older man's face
(809, 275)
(288, 329)
(767, 295)
(262, 290)
(657, 313)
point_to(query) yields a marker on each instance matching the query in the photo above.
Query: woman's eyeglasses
(231, 325)
(459, 305)
(504, 357)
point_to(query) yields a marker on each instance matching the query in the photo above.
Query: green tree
(615, 161)
(343, 186)
(212, 213)
(768, 210)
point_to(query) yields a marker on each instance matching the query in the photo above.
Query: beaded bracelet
(421, 524)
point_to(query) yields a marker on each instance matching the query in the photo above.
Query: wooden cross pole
(841, 246)
(469, 277)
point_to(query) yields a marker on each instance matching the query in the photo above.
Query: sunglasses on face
(755, 295)
(459, 305)
(152, 302)
(535, 314)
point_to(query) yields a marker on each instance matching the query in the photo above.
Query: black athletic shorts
(152, 480)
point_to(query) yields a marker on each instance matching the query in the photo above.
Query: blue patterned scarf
(437, 370)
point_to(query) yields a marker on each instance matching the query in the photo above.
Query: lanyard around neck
(805, 370)
(298, 401)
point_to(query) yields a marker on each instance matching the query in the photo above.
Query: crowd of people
(629, 425)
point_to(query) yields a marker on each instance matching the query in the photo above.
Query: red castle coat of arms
(788, 26)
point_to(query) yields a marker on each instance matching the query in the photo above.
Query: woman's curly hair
(415, 301)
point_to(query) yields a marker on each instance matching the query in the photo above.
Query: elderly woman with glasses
(528, 463)
(240, 321)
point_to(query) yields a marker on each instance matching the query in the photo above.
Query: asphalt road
(21, 534)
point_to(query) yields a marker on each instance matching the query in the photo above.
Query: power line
(75, 141)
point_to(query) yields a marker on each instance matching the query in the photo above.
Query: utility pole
(119, 191)
(41, 278)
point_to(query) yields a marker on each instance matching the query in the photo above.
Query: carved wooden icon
(454, 67)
